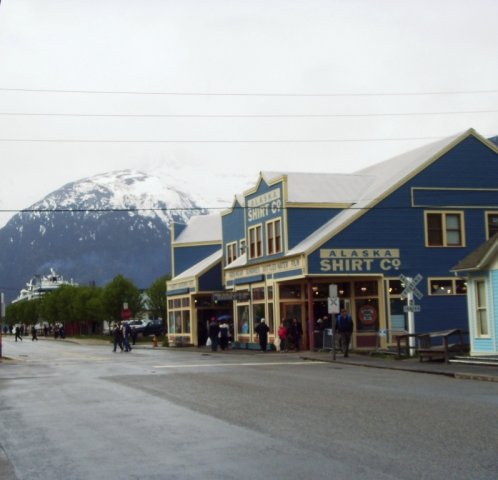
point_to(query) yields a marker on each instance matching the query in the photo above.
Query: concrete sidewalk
(461, 371)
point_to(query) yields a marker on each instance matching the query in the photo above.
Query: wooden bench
(436, 345)
(403, 344)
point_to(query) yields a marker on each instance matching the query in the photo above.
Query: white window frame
(444, 225)
(481, 308)
(487, 216)
(453, 281)
(231, 249)
(271, 247)
(255, 229)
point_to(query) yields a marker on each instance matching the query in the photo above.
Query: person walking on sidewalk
(344, 327)
(33, 334)
(262, 330)
(18, 333)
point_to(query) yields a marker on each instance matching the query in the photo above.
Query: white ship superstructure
(40, 285)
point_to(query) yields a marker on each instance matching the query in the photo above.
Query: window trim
(478, 308)
(487, 214)
(231, 252)
(453, 281)
(271, 224)
(255, 228)
(444, 214)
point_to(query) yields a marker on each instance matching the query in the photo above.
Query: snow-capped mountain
(94, 229)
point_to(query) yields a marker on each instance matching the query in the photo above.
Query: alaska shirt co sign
(264, 205)
(359, 260)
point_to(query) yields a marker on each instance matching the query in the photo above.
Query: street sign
(411, 308)
(333, 305)
(411, 286)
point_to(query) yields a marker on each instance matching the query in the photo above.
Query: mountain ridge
(95, 228)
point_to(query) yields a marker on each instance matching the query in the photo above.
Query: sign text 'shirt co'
(359, 260)
(264, 205)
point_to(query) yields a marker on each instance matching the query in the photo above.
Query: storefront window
(367, 311)
(171, 319)
(186, 321)
(290, 291)
(271, 320)
(243, 319)
(320, 290)
(270, 293)
(344, 290)
(395, 287)
(365, 289)
(258, 312)
(258, 293)
(186, 302)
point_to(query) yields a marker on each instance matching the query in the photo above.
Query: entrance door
(289, 311)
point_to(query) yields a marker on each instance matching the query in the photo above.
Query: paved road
(82, 412)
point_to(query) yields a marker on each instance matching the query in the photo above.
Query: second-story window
(274, 237)
(444, 229)
(491, 223)
(231, 252)
(255, 242)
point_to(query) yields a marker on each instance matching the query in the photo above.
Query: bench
(403, 344)
(436, 345)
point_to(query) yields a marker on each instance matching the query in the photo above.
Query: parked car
(137, 325)
(153, 327)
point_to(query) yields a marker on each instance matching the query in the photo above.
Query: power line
(227, 115)
(197, 209)
(250, 94)
(336, 140)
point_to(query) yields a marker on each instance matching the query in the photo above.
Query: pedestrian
(33, 334)
(262, 330)
(214, 331)
(296, 333)
(223, 335)
(62, 332)
(10, 329)
(117, 335)
(18, 333)
(126, 337)
(344, 327)
(282, 334)
(133, 336)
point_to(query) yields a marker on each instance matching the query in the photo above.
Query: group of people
(290, 333)
(20, 330)
(218, 334)
(122, 334)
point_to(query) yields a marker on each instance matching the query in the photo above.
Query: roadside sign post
(333, 309)
(410, 308)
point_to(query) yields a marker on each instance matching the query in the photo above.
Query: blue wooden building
(481, 271)
(286, 240)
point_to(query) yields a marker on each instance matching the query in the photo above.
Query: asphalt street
(71, 411)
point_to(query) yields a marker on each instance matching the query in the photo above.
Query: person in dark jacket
(262, 330)
(117, 334)
(344, 327)
(214, 331)
(224, 334)
(296, 332)
(18, 334)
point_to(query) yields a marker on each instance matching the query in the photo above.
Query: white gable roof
(201, 228)
(321, 187)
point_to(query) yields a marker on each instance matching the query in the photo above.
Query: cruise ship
(40, 285)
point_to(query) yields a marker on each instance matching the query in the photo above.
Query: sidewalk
(460, 371)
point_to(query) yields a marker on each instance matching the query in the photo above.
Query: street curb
(455, 375)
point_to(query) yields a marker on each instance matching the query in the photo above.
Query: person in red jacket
(282, 334)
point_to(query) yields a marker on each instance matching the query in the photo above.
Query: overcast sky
(190, 82)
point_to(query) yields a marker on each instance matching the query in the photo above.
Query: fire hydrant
(154, 341)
